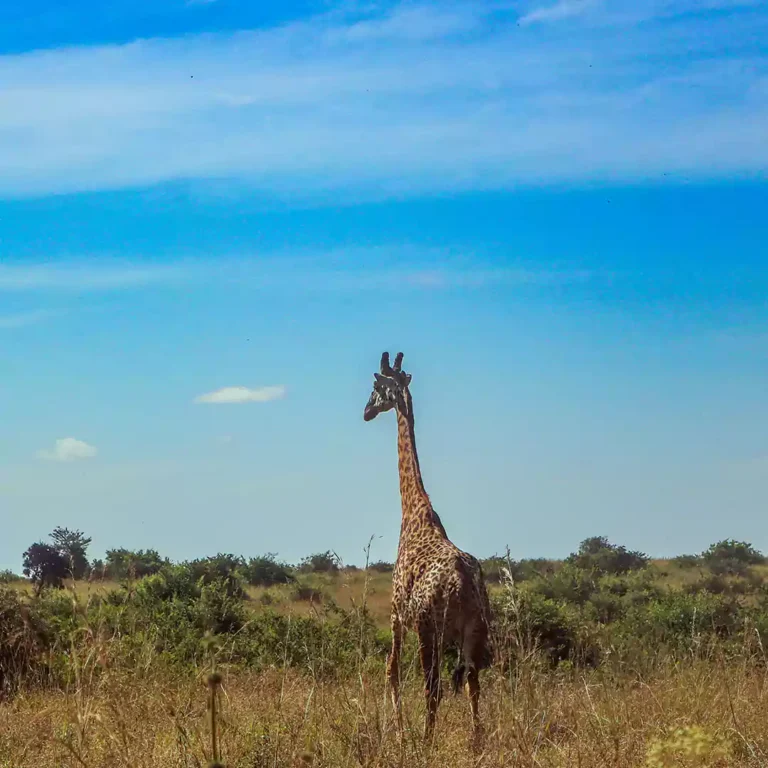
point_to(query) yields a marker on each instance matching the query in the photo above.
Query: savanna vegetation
(606, 658)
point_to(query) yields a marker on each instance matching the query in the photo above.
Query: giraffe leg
(430, 665)
(474, 650)
(393, 668)
(472, 688)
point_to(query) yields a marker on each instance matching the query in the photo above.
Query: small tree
(44, 566)
(73, 546)
(125, 563)
(320, 562)
(266, 570)
(731, 557)
(598, 554)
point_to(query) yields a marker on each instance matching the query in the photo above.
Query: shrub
(172, 582)
(321, 562)
(8, 577)
(229, 568)
(131, 564)
(731, 557)
(681, 621)
(266, 571)
(598, 554)
(331, 645)
(495, 569)
(381, 566)
(306, 592)
(570, 584)
(687, 561)
(218, 610)
(531, 620)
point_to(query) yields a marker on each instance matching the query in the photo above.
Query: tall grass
(172, 672)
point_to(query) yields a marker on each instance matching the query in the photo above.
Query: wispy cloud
(242, 395)
(345, 270)
(405, 100)
(565, 9)
(96, 275)
(23, 319)
(68, 449)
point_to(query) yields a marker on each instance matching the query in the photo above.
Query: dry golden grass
(696, 713)
(278, 718)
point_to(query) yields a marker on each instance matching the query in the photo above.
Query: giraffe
(438, 591)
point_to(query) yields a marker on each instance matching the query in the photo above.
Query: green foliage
(129, 564)
(687, 561)
(73, 547)
(381, 566)
(604, 605)
(321, 562)
(45, 566)
(267, 571)
(598, 554)
(496, 569)
(535, 621)
(230, 569)
(8, 577)
(302, 591)
(731, 557)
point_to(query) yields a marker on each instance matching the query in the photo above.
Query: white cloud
(564, 9)
(96, 275)
(405, 101)
(341, 270)
(68, 449)
(242, 395)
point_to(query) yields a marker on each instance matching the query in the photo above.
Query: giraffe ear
(407, 379)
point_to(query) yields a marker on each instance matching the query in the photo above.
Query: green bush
(381, 566)
(570, 584)
(321, 562)
(598, 554)
(687, 561)
(129, 564)
(306, 592)
(8, 577)
(534, 621)
(266, 571)
(496, 569)
(731, 557)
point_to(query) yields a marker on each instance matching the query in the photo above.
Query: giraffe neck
(417, 508)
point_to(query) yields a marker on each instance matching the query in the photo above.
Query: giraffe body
(438, 590)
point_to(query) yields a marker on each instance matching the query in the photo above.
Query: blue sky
(214, 216)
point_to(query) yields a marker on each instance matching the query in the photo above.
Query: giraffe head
(389, 388)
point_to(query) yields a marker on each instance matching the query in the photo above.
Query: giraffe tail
(458, 676)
